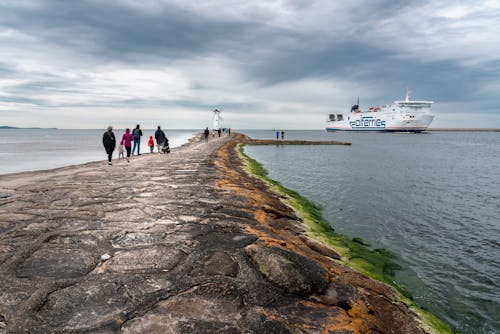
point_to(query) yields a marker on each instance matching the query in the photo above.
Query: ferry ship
(403, 116)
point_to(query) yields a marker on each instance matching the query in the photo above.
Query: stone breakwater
(179, 243)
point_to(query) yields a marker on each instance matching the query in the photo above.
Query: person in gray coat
(160, 138)
(109, 142)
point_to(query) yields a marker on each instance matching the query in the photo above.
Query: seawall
(181, 243)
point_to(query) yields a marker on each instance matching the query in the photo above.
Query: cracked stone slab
(60, 263)
(86, 306)
(219, 263)
(144, 259)
(208, 308)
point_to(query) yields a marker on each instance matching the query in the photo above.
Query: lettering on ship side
(368, 122)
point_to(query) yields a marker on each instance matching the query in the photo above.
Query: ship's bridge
(414, 104)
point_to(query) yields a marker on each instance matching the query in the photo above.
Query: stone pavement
(178, 243)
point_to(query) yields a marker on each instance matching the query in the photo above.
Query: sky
(264, 64)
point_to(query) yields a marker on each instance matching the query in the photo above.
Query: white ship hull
(364, 122)
(406, 116)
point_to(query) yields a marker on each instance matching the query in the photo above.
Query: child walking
(151, 143)
(121, 151)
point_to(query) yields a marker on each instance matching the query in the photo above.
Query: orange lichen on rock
(349, 302)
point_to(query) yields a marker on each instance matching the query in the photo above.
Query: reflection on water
(433, 198)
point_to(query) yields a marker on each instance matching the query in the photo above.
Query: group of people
(282, 132)
(218, 131)
(109, 142)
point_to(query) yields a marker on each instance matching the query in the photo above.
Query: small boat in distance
(405, 116)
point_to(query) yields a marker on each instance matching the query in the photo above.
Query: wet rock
(320, 248)
(88, 240)
(207, 327)
(303, 317)
(290, 271)
(219, 263)
(14, 292)
(221, 240)
(146, 259)
(3, 324)
(5, 252)
(209, 307)
(129, 239)
(86, 306)
(287, 224)
(260, 324)
(338, 294)
(60, 263)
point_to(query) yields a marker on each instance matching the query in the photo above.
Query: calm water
(34, 149)
(432, 198)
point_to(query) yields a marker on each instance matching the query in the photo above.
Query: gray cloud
(250, 58)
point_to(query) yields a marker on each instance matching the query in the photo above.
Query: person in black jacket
(137, 133)
(160, 138)
(109, 142)
(206, 133)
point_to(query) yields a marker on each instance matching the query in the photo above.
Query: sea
(36, 149)
(432, 198)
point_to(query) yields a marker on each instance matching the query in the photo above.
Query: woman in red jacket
(127, 142)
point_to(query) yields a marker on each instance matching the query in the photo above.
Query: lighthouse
(217, 119)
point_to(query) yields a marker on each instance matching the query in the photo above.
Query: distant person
(219, 131)
(160, 138)
(137, 134)
(127, 139)
(109, 142)
(151, 144)
(277, 135)
(206, 133)
(229, 131)
(282, 135)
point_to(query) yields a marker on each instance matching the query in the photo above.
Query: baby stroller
(166, 147)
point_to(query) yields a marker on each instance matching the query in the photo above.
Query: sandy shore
(179, 243)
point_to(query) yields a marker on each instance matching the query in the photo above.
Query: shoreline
(354, 253)
(321, 237)
(188, 239)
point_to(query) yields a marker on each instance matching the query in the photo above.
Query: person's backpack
(136, 133)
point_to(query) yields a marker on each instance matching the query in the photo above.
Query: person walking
(121, 151)
(137, 133)
(277, 135)
(229, 132)
(151, 144)
(127, 142)
(109, 142)
(282, 134)
(160, 138)
(206, 133)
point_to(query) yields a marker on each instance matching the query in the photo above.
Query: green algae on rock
(356, 253)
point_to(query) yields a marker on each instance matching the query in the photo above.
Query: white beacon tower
(217, 120)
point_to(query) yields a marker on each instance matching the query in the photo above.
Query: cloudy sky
(265, 64)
